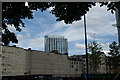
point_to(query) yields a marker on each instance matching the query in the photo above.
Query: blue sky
(99, 25)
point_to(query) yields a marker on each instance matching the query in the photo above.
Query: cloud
(99, 21)
(105, 46)
(74, 32)
(33, 43)
(80, 46)
(37, 43)
(19, 36)
(11, 28)
(28, 35)
(51, 8)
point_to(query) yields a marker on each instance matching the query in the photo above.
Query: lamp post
(118, 23)
(86, 47)
(0, 40)
(76, 71)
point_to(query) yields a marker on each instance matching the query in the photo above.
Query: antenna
(94, 36)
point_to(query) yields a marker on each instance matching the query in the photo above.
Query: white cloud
(105, 46)
(33, 43)
(51, 8)
(37, 43)
(11, 28)
(54, 29)
(80, 46)
(74, 34)
(106, 52)
(19, 36)
(99, 21)
(28, 35)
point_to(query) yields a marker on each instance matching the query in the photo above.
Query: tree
(94, 59)
(14, 12)
(114, 57)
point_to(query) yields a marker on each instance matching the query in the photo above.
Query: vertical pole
(0, 40)
(86, 47)
(94, 36)
(76, 74)
(118, 23)
(118, 28)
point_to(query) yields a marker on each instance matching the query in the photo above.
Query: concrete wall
(14, 61)
(19, 61)
(49, 63)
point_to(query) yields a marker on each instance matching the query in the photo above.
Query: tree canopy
(14, 12)
(114, 58)
(95, 54)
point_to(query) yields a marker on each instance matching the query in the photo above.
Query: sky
(99, 28)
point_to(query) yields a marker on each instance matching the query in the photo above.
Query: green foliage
(70, 12)
(111, 5)
(113, 49)
(13, 13)
(95, 50)
(114, 57)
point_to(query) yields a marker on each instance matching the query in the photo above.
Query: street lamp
(86, 47)
(76, 69)
(118, 23)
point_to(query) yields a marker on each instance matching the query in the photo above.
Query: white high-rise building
(56, 44)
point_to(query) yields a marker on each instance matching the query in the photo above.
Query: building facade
(76, 64)
(57, 44)
(76, 59)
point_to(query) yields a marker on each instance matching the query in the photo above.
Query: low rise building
(82, 59)
(76, 64)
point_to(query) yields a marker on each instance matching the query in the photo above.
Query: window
(71, 66)
(84, 68)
